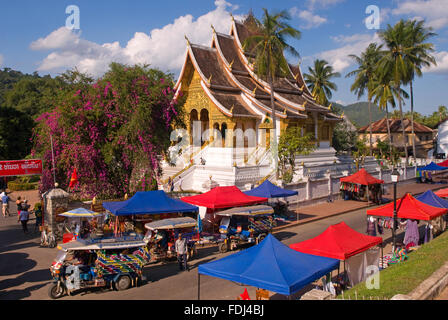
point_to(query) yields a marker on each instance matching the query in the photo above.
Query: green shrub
(22, 186)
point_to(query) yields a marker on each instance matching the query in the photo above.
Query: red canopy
(408, 208)
(361, 177)
(339, 241)
(223, 197)
(443, 193)
(443, 164)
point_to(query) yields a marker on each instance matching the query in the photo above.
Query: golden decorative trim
(295, 77)
(304, 104)
(301, 89)
(188, 41)
(255, 89)
(231, 64)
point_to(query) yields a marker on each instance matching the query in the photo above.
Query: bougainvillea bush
(112, 130)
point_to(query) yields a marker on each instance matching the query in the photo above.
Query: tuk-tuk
(93, 263)
(244, 225)
(162, 234)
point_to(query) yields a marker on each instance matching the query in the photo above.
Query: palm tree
(419, 57)
(318, 80)
(364, 77)
(268, 44)
(394, 63)
(385, 93)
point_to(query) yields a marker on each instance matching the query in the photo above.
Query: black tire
(223, 247)
(123, 283)
(53, 291)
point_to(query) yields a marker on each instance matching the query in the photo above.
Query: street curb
(430, 288)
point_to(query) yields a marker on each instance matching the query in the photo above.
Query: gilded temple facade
(229, 116)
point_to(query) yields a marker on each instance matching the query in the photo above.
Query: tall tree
(385, 93)
(364, 77)
(419, 56)
(318, 80)
(395, 63)
(268, 43)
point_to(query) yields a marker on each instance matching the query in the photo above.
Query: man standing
(181, 250)
(24, 216)
(5, 204)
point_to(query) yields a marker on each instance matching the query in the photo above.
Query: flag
(73, 179)
(245, 295)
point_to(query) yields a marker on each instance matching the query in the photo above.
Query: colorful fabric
(121, 263)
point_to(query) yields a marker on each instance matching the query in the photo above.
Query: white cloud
(435, 12)
(442, 63)
(308, 20)
(163, 48)
(354, 44)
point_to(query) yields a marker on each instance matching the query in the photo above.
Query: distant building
(424, 136)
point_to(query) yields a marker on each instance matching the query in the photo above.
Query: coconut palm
(318, 80)
(364, 74)
(384, 93)
(395, 63)
(418, 57)
(268, 43)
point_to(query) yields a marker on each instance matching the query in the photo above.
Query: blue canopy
(271, 265)
(432, 199)
(148, 202)
(432, 167)
(269, 190)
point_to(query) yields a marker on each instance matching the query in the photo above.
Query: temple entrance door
(193, 118)
(204, 125)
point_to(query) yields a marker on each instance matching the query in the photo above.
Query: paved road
(24, 272)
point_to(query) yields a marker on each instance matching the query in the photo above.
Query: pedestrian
(171, 184)
(5, 204)
(19, 204)
(24, 216)
(38, 214)
(180, 184)
(181, 250)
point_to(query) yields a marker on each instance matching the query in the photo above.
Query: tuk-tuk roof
(247, 211)
(104, 243)
(172, 223)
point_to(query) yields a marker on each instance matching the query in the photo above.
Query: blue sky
(33, 36)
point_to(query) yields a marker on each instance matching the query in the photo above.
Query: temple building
(229, 116)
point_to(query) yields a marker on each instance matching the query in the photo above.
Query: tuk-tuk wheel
(123, 283)
(54, 292)
(223, 247)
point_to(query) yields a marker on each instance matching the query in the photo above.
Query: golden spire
(233, 19)
(188, 41)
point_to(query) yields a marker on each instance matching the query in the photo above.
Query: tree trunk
(274, 123)
(405, 140)
(370, 128)
(388, 132)
(412, 123)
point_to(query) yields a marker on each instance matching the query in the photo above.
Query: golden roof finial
(233, 19)
(301, 88)
(342, 115)
(295, 77)
(304, 104)
(231, 64)
(186, 38)
(284, 111)
(94, 200)
(213, 28)
(255, 89)
(231, 109)
(210, 79)
(329, 107)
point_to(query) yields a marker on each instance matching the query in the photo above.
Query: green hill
(358, 113)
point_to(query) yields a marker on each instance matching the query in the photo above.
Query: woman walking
(24, 216)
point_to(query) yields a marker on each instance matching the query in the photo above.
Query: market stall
(81, 223)
(270, 265)
(341, 242)
(410, 211)
(220, 198)
(269, 190)
(146, 206)
(425, 174)
(443, 193)
(362, 186)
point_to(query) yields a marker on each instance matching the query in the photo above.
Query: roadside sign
(20, 167)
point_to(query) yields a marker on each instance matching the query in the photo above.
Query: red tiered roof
(362, 177)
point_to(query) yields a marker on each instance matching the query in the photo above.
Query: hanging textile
(412, 236)
(371, 231)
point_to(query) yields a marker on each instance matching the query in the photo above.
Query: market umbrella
(81, 213)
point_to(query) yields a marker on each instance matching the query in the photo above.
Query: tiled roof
(380, 126)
